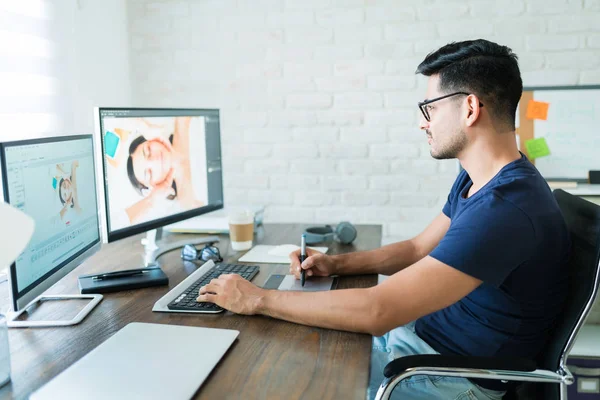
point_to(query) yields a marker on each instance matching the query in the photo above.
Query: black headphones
(344, 233)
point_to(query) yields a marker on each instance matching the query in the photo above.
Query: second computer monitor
(51, 180)
(159, 166)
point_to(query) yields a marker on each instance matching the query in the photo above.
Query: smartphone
(111, 144)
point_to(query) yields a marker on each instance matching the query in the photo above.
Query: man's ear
(473, 109)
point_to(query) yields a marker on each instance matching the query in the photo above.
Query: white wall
(318, 97)
(101, 53)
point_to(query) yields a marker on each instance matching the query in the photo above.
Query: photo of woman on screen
(164, 165)
(65, 184)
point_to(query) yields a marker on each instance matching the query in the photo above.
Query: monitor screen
(159, 166)
(52, 181)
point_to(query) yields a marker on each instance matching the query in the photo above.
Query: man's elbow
(383, 318)
(378, 331)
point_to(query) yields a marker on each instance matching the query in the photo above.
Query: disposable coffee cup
(241, 229)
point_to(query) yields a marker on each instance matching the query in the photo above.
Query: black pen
(302, 258)
(120, 274)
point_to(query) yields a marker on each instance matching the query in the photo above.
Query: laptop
(143, 361)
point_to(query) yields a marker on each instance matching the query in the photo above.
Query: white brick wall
(318, 97)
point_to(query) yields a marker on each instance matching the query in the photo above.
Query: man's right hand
(316, 264)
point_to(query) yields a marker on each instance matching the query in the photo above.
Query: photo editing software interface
(54, 183)
(159, 163)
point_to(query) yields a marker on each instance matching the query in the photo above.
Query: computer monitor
(159, 166)
(52, 180)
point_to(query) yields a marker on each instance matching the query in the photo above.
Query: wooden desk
(270, 358)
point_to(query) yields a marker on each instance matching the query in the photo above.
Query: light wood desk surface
(270, 358)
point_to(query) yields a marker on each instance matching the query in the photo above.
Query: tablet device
(289, 282)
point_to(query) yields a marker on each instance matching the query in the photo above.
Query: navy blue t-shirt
(512, 236)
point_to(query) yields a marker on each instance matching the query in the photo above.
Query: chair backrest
(583, 222)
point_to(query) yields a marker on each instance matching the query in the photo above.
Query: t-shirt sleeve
(488, 240)
(447, 210)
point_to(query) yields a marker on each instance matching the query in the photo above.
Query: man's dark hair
(486, 69)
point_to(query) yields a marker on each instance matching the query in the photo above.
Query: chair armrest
(399, 365)
(495, 368)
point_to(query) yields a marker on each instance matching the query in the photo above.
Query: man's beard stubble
(456, 143)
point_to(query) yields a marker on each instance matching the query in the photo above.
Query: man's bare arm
(394, 257)
(425, 287)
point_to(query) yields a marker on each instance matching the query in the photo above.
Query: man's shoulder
(523, 188)
(504, 201)
(493, 205)
(520, 198)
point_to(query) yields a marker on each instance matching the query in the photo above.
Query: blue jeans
(404, 341)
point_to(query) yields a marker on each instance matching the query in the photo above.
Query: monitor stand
(12, 322)
(155, 246)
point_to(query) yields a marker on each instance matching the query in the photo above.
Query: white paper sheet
(264, 254)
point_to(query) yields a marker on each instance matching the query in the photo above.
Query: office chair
(547, 376)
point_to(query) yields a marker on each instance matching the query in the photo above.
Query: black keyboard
(186, 301)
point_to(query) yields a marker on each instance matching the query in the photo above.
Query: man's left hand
(233, 293)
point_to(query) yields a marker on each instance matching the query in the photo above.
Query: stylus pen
(302, 258)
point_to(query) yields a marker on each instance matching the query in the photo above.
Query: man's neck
(483, 160)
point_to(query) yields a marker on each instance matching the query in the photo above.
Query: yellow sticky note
(537, 148)
(537, 110)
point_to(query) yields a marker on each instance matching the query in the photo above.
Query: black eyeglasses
(423, 104)
(189, 252)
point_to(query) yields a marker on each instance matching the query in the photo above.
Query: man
(487, 277)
